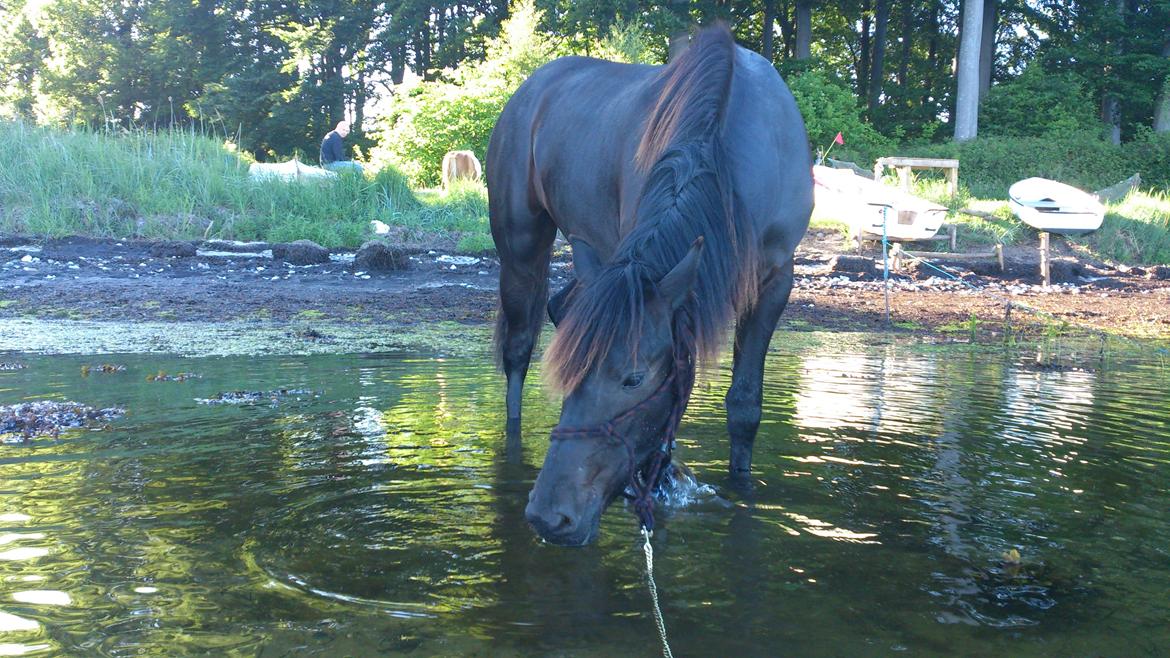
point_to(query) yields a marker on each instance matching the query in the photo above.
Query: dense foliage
(277, 75)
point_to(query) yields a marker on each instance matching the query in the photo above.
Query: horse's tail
(689, 191)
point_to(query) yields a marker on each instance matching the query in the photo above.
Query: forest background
(1069, 89)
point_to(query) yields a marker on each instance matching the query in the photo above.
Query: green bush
(989, 165)
(830, 107)
(1039, 104)
(459, 111)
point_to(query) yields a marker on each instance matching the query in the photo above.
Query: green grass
(1136, 229)
(188, 185)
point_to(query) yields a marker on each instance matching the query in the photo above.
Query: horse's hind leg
(753, 333)
(524, 244)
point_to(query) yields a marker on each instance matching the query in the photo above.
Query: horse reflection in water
(684, 190)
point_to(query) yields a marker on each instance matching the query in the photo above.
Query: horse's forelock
(608, 309)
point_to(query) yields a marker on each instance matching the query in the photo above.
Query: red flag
(839, 139)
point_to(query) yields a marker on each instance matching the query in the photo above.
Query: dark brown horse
(684, 190)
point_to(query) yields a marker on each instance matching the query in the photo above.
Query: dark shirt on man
(331, 148)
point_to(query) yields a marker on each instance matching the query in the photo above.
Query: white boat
(865, 205)
(291, 171)
(1047, 205)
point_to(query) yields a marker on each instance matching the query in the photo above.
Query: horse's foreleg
(523, 291)
(753, 332)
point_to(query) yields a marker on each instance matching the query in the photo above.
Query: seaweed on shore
(29, 420)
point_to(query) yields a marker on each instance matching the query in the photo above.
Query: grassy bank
(184, 185)
(1136, 229)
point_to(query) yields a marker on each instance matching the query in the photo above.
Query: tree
(967, 95)
(23, 52)
(1162, 108)
(803, 29)
(877, 67)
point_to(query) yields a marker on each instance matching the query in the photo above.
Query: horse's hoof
(741, 482)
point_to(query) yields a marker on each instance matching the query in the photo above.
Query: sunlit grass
(189, 185)
(1136, 230)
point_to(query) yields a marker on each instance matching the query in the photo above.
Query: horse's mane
(687, 194)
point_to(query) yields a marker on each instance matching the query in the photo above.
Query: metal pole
(886, 261)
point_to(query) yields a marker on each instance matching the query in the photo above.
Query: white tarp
(291, 171)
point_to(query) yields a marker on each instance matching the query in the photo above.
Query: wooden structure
(948, 233)
(905, 165)
(898, 255)
(1045, 259)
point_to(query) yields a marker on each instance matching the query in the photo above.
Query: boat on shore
(866, 205)
(1047, 205)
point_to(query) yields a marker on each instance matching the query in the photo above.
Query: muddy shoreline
(241, 286)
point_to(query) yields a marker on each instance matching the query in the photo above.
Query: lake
(908, 498)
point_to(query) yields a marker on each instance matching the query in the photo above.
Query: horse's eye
(633, 380)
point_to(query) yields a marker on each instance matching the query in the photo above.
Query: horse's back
(565, 144)
(768, 154)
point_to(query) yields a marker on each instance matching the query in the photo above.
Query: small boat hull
(866, 206)
(1047, 205)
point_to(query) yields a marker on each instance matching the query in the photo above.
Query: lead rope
(649, 551)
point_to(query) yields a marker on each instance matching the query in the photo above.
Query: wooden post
(1045, 266)
(999, 257)
(896, 257)
(879, 168)
(953, 179)
(904, 177)
(954, 231)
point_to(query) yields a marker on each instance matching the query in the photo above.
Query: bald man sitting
(333, 151)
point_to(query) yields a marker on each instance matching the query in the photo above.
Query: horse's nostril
(563, 522)
(549, 522)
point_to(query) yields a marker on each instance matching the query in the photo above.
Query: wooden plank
(943, 255)
(1045, 266)
(936, 163)
(978, 213)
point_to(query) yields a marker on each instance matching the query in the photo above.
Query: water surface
(378, 512)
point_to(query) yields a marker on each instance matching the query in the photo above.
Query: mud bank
(88, 295)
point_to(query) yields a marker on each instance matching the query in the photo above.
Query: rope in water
(649, 551)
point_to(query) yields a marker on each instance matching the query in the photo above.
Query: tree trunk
(398, 64)
(803, 29)
(967, 95)
(680, 38)
(931, 56)
(877, 69)
(987, 46)
(1162, 108)
(767, 33)
(1110, 102)
(787, 28)
(864, 60)
(907, 39)
(1111, 115)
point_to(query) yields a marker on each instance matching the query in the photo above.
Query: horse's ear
(677, 283)
(586, 262)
